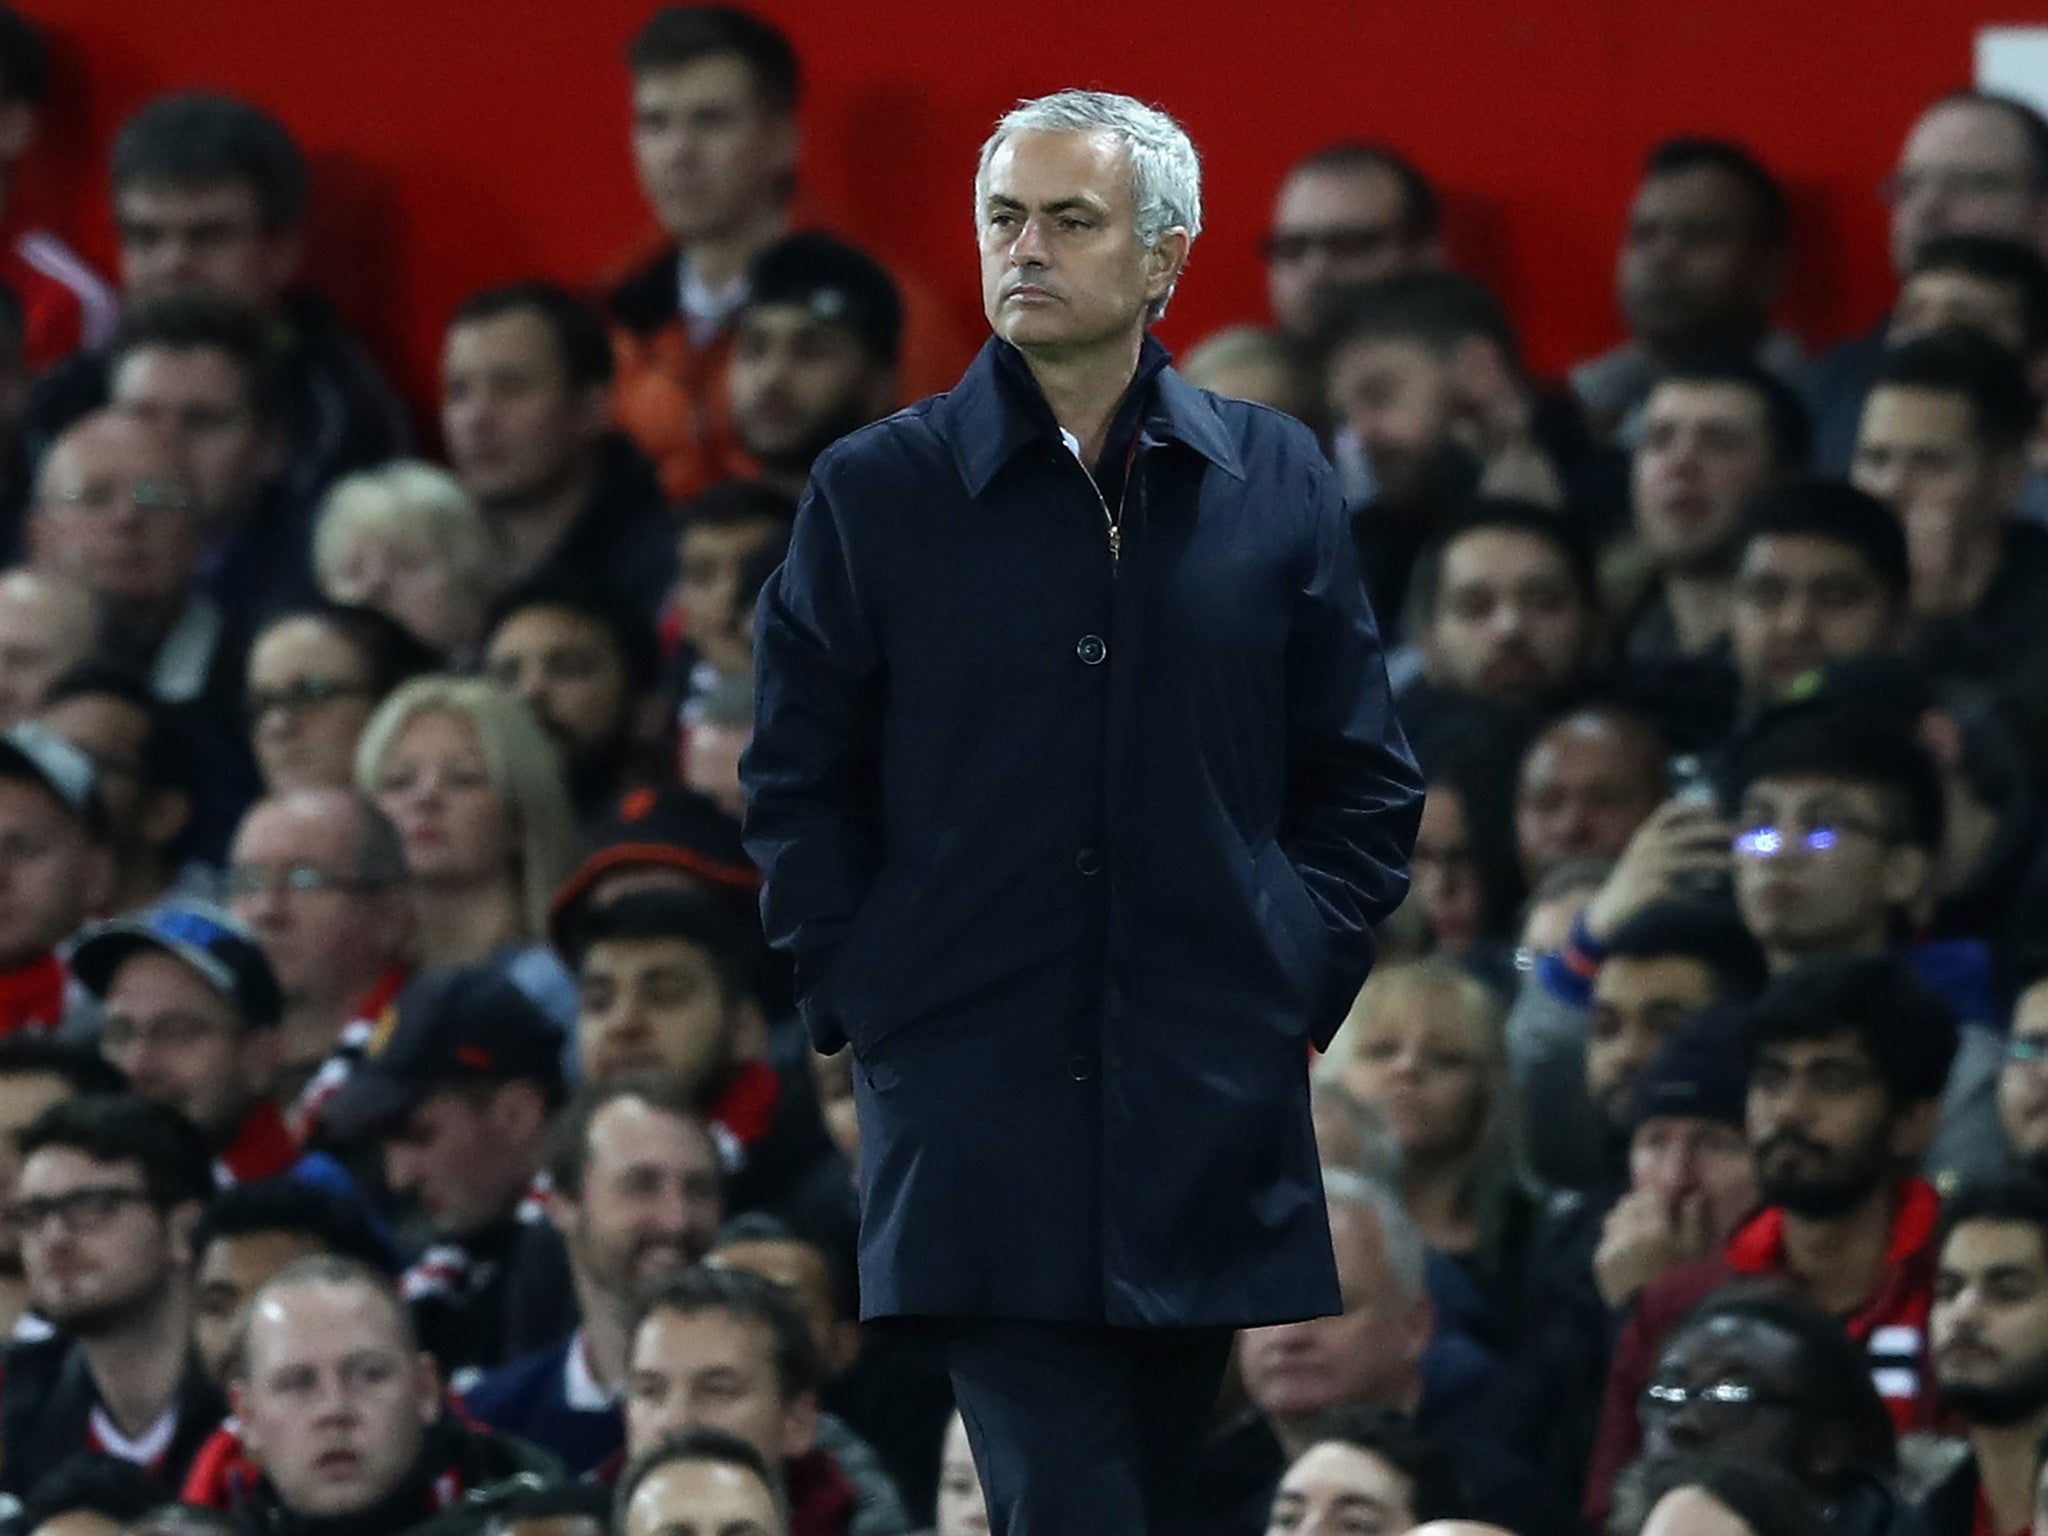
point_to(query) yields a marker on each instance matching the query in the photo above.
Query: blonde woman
(1425, 1044)
(476, 790)
(405, 538)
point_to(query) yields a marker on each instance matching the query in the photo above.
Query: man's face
(1682, 1157)
(713, 160)
(649, 1205)
(333, 1404)
(205, 240)
(1917, 452)
(1331, 229)
(1061, 263)
(293, 878)
(800, 1267)
(1509, 625)
(230, 1271)
(655, 1005)
(515, 426)
(1705, 450)
(1819, 868)
(709, 560)
(568, 668)
(1585, 786)
(1637, 1002)
(2023, 1081)
(1694, 268)
(1989, 1328)
(1367, 1354)
(181, 1043)
(113, 732)
(454, 1154)
(1339, 1489)
(104, 1254)
(712, 1368)
(1397, 397)
(1963, 171)
(1774, 1429)
(702, 1498)
(116, 511)
(1801, 602)
(1934, 300)
(200, 399)
(23, 1097)
(47, 627)
(51, 877)
(799, 384)
(1820, 1125)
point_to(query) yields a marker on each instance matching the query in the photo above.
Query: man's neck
(138, 1367)
(312, 1029)
(2006, 1462)
(1296, 1433)
(1084, 386)
(1699, 605)
(1839, 1259)
(716, 262)
(1783, 958)
(1976, 568)
(137, 628)
(785, 478)
(1743, 339)
(530, 527)
(1439, 1200)
(604, 1333)
(461, 924)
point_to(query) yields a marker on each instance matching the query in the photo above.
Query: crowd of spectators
(402, 1126)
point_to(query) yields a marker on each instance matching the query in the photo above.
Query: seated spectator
(962, 1506)
(590, 673)
(191, 1017)
(1554, 908)
(405, 539)
(1713, 435)
(456, 1090)
(1703, 259)
(322, 1328)
(2023, 1079)
(1822, 575)
(526, 376)
(722, 529)
(1465, 871)
(1681, 1495)
(319, 877)
(815, 348)
(1846, 1064)
(655, 839)
(633, 1191)
(1587, 781)
(249, 1233)
(1365, 1469)
(35, 1073)
(476, 790)
(1988, 1338)
(1987, 283)
(1246, 363)
(1346, 214)
(48, 625)
(89, 1493)
(210, 200)
(747, 1333)
(64, 874)
(147, 769)
(700, 1480)
(315, 678)
(110, 1186)
(1423, 1045)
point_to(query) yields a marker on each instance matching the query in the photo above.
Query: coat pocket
(1294, 926)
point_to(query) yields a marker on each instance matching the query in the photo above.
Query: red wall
(460, 142)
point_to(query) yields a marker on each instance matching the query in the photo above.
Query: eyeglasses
(1722, 1395)
(1766, 840)
(1903, 186)
(83, 1210)
(1355, 242)
(292, 880)
(143, 495)
(2027, 1051)
(308, 692)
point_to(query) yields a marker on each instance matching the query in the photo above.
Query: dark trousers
(1084, 1430)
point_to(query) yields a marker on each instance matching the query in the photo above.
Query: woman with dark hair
(1681, 1495)
(316, 676)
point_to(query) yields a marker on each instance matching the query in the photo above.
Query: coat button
(1092, 650)
(1088, 861)
(1082, 1067)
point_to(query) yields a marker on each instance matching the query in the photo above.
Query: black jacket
(47, 1397)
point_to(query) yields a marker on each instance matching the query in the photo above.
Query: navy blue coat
(1078, 856)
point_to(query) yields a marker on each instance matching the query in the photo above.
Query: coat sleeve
(1354, 796)
(811, 776)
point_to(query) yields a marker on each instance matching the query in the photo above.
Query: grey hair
(1166, 173)
(1407, 1258)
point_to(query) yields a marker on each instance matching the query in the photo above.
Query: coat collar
(985, 422)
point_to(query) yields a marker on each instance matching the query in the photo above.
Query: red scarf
(32, 998)
(262, 1147)
(746, 1109)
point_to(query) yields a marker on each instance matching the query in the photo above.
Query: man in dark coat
(1077, 788)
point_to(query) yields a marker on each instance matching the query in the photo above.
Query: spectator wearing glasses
(1846, 1059)
(35, 1073)
(315, 678)
(111, 1187)
(1346, 214)
(319, 876)
(2023, 1080)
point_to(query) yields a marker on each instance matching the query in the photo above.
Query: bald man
(48, 625)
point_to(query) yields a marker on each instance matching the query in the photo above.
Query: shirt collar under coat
(987, 418)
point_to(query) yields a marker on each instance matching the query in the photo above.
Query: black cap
(1699, 1073)
(447, 1027)
(836, 283)
(1895, 686)
(209, 940)
(34, 754)
(669, 828)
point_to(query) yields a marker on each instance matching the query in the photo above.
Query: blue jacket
(1078, 854)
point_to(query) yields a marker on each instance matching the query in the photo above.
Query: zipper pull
(1116, 541)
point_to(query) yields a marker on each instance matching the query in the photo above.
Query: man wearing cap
(58, 873)
(191, 1013)
(455, 1087)
(814, 353)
